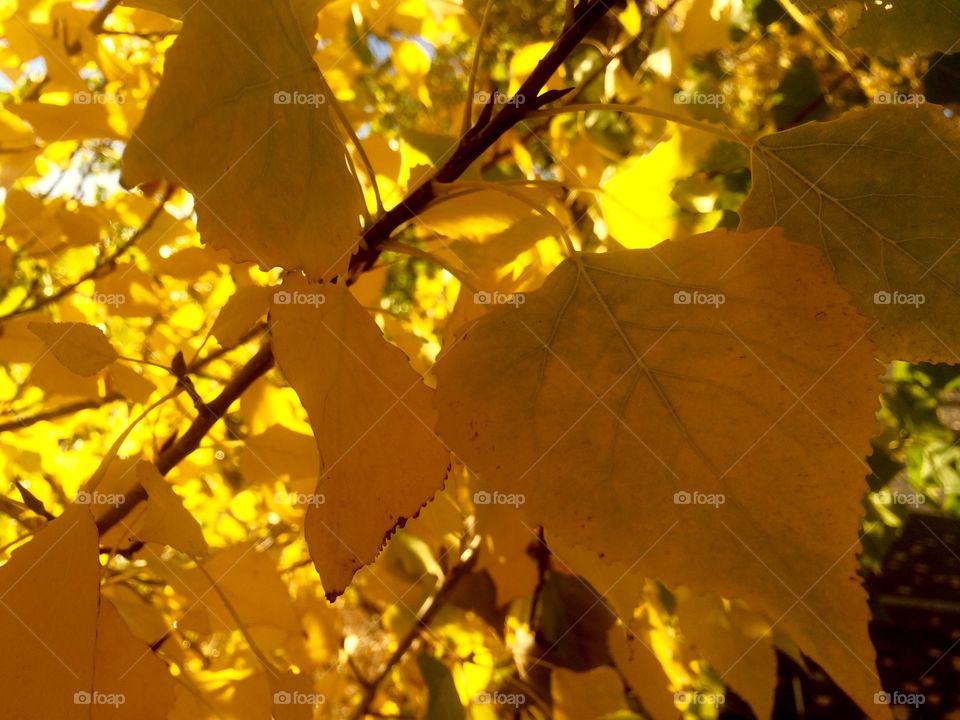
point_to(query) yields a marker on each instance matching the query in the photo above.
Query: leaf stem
(412, 251)
(722, 132)
(472, 83)
(425, 615)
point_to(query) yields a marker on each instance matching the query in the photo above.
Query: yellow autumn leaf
(240, 313)
(166, 520)
(738, 646)
(633, 656)
(590, 695)
(82, 349)
(68, 653)
(637, 197)
(371, 416)
(242, 120)
(675, 392)
(850, 187)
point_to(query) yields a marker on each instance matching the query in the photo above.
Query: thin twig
(212, 411)
(97, 270)
(426, 614)
(484, 134)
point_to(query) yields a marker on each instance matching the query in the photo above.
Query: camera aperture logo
(697, 297)
(684, 97)
(499, 298)
(895, 497)
(688, 698)
(282, 297)
(482, 497)
(282, 97)
(883, 297)
(84, 97)
(899, 98)
(114, 300)
(497, 697)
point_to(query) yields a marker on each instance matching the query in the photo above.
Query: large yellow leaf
(48, 637)
(852, 187)
(126, 668)
(596, 693)
(241, 120)
(700, 411)
(371, 415)
(632, 653)
(67, 652)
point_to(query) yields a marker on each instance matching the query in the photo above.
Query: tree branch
(422, 621)
(97, 270)
(484, 133)
(58, 412)
(210, 413)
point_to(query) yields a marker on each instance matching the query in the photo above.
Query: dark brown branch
(483, 135)
(96, 25)
(212, 411)
(59, 412)
(422, 622)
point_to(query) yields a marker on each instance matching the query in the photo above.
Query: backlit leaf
(851, 188)
(667, 409)
(82, 349)
(242, 120)
(371, 415)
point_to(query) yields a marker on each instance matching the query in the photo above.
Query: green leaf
(444, 702)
